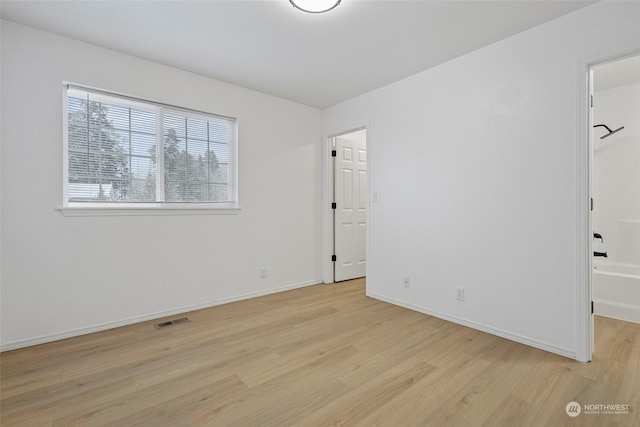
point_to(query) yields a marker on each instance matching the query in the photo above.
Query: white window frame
(150, 208)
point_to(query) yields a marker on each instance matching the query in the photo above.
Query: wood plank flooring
(317, 356)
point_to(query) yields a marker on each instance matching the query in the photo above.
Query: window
(125, 151)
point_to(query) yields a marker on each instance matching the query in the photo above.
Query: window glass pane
(197, 129)
(143, 144)
(99, 150)
(193, 149)
(175, 123)
(143, 179)
(123, 138)
(219, 132)
(221, 175)
(118, 116)
(197, 148)
(143, 121)
(221, 151)
(218, 192)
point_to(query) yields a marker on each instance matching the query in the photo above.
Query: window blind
(125, 150)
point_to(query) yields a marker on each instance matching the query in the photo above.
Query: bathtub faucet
(598, 236)
(602, 254)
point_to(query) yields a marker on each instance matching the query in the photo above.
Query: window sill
(147, 210)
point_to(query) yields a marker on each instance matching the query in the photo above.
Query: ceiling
(269, 46)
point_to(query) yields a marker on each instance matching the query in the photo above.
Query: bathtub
(616, 290)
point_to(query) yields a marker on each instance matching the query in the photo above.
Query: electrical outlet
(406, 282)
(460, 294)
(263, 272)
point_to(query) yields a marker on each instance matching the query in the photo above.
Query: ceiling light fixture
(315, 6)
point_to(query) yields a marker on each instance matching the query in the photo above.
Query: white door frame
(584, 326)
(584, 323)
(328, 233)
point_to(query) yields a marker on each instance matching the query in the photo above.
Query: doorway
(349, 205)
(614, 168)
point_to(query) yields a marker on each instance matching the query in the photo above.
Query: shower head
(611, 132)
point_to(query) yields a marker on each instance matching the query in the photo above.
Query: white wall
(477, 166)
(66, 275)
(616, 173)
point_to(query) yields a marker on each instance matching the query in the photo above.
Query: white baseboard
(151, 316)
(616, 310)
(503, 334)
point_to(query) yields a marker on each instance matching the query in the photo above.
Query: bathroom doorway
(615, 188)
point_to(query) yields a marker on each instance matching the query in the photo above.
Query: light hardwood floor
(321, 355)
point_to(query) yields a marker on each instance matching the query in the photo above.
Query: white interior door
(350, 224)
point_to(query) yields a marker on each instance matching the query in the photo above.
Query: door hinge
(591, 101)
(334, 258)
(334, 153)
(591, 307)
(592, 203)
(334, 205)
